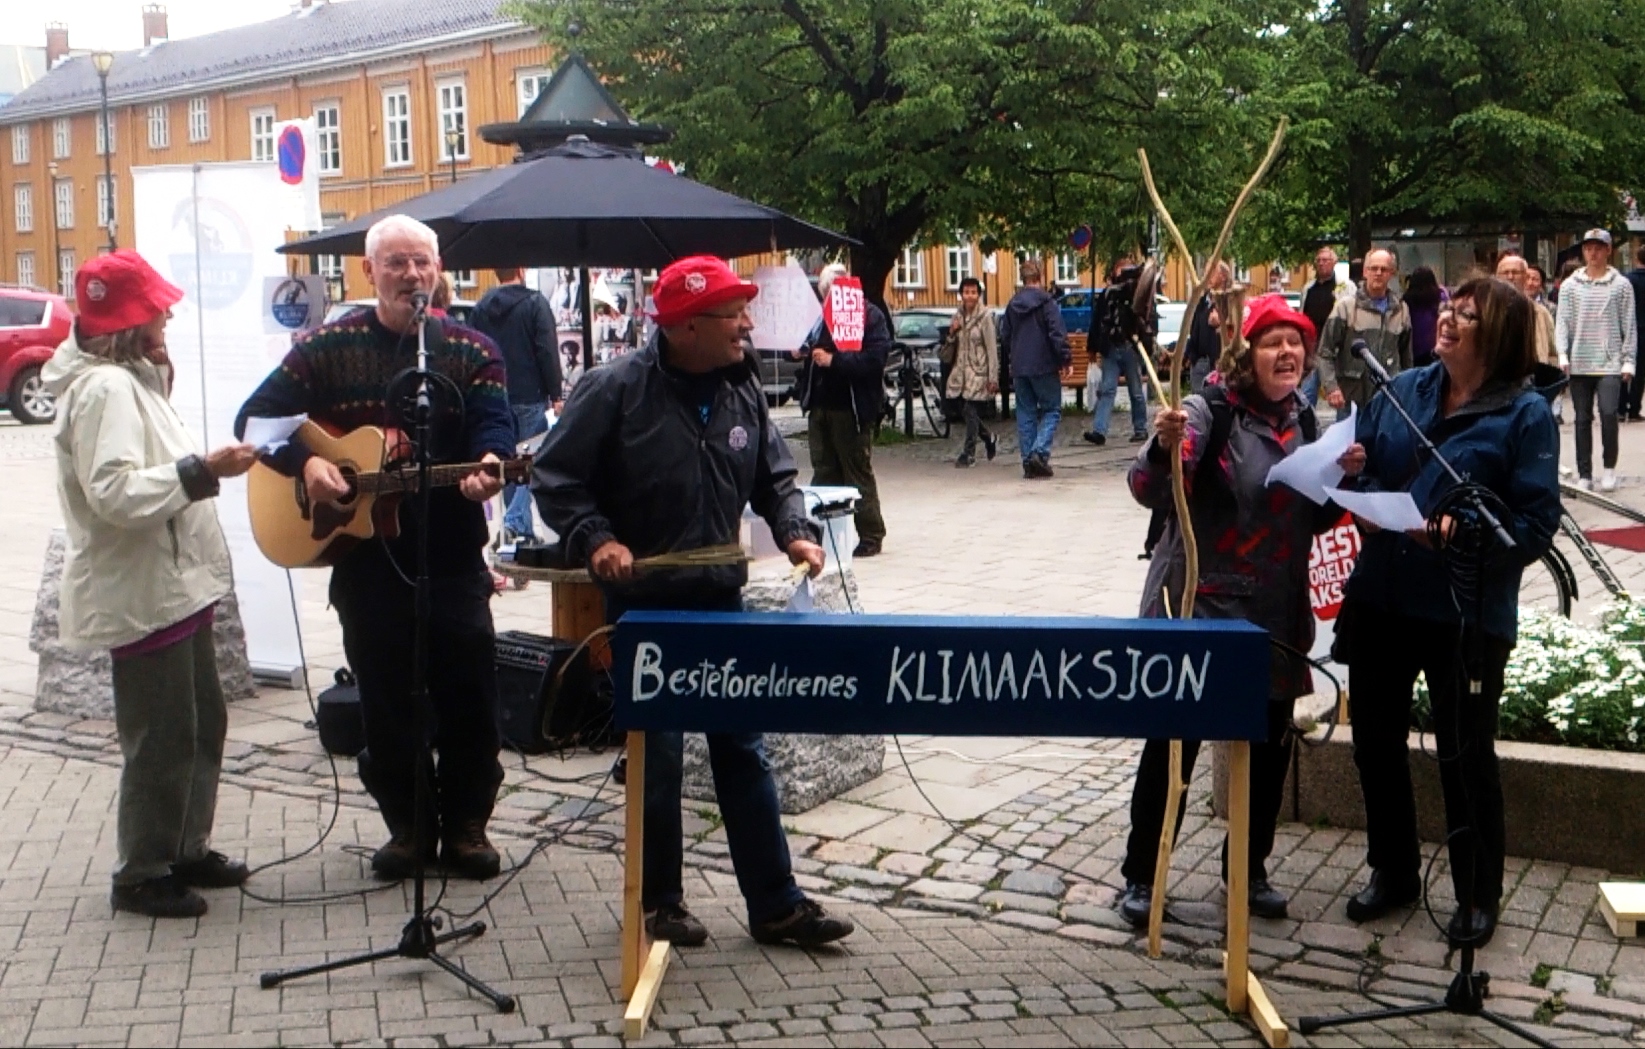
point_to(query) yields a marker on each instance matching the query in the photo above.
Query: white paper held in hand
(1312, 469)
(1390, 511)
(270, 435)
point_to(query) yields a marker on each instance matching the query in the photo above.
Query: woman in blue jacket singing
(1443, 602)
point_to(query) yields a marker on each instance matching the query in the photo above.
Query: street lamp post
(56, 248)
(453, 136)
(103, 61)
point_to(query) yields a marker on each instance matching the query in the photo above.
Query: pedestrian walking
(1037, 344)
(976, 363)
(1595, 334)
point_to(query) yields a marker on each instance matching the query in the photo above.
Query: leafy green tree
(901, 121)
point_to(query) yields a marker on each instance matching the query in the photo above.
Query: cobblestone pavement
(986, 921)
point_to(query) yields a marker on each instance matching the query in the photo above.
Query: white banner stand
(209, 229)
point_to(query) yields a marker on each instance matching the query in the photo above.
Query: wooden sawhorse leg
(644, 961)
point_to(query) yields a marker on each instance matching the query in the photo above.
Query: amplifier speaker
(337, 716)
(548, 700)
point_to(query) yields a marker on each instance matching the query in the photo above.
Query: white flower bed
(1571, 684)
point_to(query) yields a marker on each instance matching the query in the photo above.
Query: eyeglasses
(408, 263)
(1465, 316)
(739, 315)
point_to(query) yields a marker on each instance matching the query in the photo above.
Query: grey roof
(316, 37)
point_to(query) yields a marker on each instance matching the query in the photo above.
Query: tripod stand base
(1465, 997)
(418, 940)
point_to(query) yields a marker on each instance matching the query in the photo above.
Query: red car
(33, 323)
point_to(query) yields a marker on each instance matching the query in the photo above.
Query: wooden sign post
(931, 675)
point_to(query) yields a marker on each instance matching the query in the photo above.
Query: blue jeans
(1310, 387)
(529, 421)
(1118, 358)
(747, 795)
(1039, 409)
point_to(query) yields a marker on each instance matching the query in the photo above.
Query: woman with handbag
(975, 367)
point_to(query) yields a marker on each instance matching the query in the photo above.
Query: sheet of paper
(804, 600)
(270, 435)
(1392, 511)
(1312, 469)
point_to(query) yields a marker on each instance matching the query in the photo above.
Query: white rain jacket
(144, 546)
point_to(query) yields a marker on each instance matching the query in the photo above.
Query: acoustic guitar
(294, 533)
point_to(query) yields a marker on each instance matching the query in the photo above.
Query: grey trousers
(1609, 390)
(171, 719)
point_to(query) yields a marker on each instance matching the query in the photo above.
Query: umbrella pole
(586, 307)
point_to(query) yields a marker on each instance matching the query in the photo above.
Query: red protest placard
(1330, 563)
(846, 312)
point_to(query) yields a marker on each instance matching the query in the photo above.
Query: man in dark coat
(521, 323)
(1037, 344)
(843, 393)
(659, 452)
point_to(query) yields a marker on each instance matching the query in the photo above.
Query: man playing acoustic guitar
(340, 375)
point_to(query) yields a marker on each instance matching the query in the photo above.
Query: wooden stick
(637, 1016)
(1239, 873)
(636, 945)
(1267, 1019)
(1179, 492)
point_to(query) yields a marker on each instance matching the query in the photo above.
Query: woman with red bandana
(1254, 542)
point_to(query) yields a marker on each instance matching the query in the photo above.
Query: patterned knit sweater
(339, 374)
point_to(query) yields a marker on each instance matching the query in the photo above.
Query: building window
(1066, 268)
(463, 279)
(910, 269)
(453, 97)
(329, 135)
(330, 268)
(529, 83)
(60, 138)
(103, 131)
(22, 199)
(397, 127)
(262, 133)
(959, 265)
(105, 202)
(159, 126)
(20, 144)
(64, 191)
(199, 119)
(65, 273)
(25, 268)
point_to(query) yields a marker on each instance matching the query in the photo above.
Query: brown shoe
(398, 859)
(468, 853)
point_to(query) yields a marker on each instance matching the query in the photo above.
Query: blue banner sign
(950, 676)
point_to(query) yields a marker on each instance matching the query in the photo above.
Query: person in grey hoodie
(521, 323)
(1597, 342)
(1037, 341)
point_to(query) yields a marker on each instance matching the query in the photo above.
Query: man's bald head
(1379, 270)
(1512, 268)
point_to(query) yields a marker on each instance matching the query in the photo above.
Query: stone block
(809, 769)
(80, 683)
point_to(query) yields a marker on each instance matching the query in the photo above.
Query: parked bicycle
(912, 384)
(1550, 584)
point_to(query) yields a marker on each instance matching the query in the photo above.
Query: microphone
(1369, 359)
(419, 304)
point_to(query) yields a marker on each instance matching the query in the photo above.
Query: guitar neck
(380, 481)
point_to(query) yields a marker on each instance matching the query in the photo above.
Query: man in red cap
(658, 452)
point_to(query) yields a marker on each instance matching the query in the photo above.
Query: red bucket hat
(694, 285)
(1266, 311)
(121, 290)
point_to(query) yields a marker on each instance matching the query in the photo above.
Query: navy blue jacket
(1506, 440)
(853, 382)
(1034, 335)
(519, 321)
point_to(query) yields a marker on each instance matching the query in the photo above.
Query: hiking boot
(468, 853)
(1042, 466)
(672, 922)
(1139, 437)
(808, 925)
(397, 860)
(1383, 895)
(160, 898)
(867, 548)
(1098, 439)
(1135, 902)
(990, 445)
(211, 871)
(965, 460)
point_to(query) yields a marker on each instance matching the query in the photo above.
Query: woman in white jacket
(146, 566)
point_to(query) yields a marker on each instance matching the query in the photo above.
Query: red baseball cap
(121, 290)
(1267, 311)
(694, 285)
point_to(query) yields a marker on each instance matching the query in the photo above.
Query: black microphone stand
(1469, 988)
(420, 939)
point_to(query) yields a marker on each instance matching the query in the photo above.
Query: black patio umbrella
(583, 204)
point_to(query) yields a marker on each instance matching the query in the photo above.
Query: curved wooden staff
(1179, 492)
